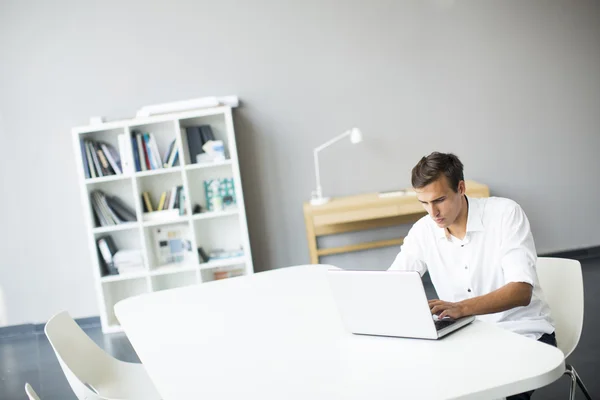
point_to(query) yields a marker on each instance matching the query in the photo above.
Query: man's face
(441, 202)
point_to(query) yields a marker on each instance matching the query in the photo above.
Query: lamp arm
(332, 141)
(318, 174)
(319, 191)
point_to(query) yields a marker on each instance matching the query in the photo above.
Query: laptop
(387, 303)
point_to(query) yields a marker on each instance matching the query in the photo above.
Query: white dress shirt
(497, 249)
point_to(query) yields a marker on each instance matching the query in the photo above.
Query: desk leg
(311, 238)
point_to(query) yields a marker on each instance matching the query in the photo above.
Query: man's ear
(461, 187)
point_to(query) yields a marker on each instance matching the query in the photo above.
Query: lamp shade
(355, 136)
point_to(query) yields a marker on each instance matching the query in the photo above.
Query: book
(219, 194)
(173, 197)
(161, 202)
(86, 167)
(142, 152)
(149, 155)
(103, 212)
(147, 203)
(202, 254)
(107, 249)
(155, 152)
(112, 216)
(168, 153)
(98, 212)
(172, 245)
(124, 154)
(177, 190)
(173, 160)
(167, 200)
(123, 211)
(206, 134)
(136, 153)
(194, 142)
(106, 168)
(112, 157)
(128, 258)
(99, 172)
(181, 201)
(220, 254)
(90, 161)
(227, 273)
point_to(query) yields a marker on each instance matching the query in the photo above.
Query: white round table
(277, 335)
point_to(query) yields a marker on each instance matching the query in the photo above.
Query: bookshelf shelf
(116, 228)
(160, 171)
(214, 214)
(177, 263)
(226, 262)
(208, 165)
(123, 277)
(111, 178)
(172, 269)
(170, 221)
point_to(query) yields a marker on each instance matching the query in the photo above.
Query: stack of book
(110, 210)
(146, 155)
(128, 261)
(219, 274)
(197, 136)
(173, 199)
(114, 261)
(100, 159)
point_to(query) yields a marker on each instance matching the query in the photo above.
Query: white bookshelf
(223, 229)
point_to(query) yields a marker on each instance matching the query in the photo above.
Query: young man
(479, 253)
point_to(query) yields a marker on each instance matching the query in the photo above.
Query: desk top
(372, 206)
(277, 335)
(473, 189)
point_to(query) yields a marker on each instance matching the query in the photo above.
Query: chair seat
(125, 381)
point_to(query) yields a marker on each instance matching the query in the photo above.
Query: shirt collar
(474, 223)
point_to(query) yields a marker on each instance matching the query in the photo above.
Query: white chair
(92, 373)
(562, 283)
(30, 392)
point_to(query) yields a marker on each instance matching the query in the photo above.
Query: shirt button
(462, 245)
(469, 290)
(466, 267)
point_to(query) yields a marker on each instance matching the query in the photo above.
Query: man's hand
(447, 309)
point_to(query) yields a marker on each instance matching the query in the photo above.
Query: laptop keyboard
(441, 324)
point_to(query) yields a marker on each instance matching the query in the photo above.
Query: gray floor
(29, 358)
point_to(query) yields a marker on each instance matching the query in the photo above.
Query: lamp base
(317, 201)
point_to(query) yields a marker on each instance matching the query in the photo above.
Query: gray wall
(512, 87)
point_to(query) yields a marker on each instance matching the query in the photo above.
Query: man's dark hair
(430, 168)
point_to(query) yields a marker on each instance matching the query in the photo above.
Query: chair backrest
(562, 283)
(31, 394)
(81, 360)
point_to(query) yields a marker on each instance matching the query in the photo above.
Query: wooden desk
(366, 211)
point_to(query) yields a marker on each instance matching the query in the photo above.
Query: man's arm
(409, 258)
(511, 295)
(518, 266)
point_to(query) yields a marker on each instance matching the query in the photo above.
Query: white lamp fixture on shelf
(355, 137)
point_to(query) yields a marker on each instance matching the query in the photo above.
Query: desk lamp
(355, 137)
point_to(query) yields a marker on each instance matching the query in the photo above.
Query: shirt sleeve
(518, 248)
(410, 256)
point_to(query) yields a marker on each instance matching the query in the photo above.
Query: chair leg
(576, 381)
(573, 386)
